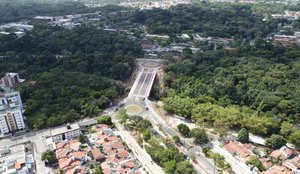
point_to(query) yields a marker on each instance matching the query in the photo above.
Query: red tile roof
(61, 153)
(106, 171)
(112, 138)
(78, 154)
(128, 164)
(235, 147)
(118, 145)
(96, 153)
(75, 145)
(64, 163)
(277, 170)
(266, 162)
(60, 145)
(122, 154)
(293, 164)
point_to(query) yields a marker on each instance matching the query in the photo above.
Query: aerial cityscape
(149, 87)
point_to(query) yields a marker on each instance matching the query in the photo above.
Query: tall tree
(184, 129)
(275, 141)
(49, 156)
(243, 136)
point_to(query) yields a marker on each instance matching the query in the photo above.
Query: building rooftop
(293, 164)
(277, 170)
(235, 148)
(283, 153)
(64, 129)
(44, 17)
(16, 160)
(96, 153)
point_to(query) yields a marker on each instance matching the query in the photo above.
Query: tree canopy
(199, 135)
(49, 156)
(243, 136)
(184, 129)
(275, 141)
(209, 19)
(70, 73)
(253, 87)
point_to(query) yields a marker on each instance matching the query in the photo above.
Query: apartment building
(10, 80)
(11, 118)
(65, 133)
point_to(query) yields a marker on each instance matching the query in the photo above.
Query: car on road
(115, 108)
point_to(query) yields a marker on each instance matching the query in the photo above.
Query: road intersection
(141, 99)
(137, 96)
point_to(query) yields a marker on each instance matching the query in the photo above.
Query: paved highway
(141, 88)
(206, 165)
(39, 146)
(139, 152)
(143, 83)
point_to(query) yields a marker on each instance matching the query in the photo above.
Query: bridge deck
(143, 84)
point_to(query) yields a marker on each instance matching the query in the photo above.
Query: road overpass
(141, 89)
(145, 78)
(143, 84)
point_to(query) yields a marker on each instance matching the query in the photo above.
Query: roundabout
(133, 109)
(151, 64)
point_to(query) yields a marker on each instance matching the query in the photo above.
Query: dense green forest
(256, 88)
(69, 73)
(210, 19)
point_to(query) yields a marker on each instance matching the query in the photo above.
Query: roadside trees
(275, 141)
(254, 161)
(176, 139)
(199, 135)
(104, 119)
(49, 157)
(295, 138)
(243, 136)
(183, 129)
(81, 139)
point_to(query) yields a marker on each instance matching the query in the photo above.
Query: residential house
(266, 162)
(276, 169)
(70, 156)
(97, 155)
(238, 150)
(16, 160)
(285, 40)
(293, 164)
(283, 153)
(111, 152)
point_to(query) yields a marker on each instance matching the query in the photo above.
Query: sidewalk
(139, 152)
(236, 165)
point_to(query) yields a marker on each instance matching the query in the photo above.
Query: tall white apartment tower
(11, 118)
(10, 80)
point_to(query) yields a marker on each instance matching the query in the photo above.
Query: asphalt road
(139, 152)
(143, 83)
(139, 84)
(236, 165)
(39, 146)
(207, 165)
